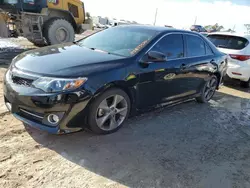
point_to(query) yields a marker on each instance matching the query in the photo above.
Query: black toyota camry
(100, 80)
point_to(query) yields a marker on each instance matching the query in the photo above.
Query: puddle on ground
(233, 108)
(233, 105)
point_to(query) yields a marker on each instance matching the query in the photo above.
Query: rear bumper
(239, 72)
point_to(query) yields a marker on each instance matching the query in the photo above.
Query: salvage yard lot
(188, 145)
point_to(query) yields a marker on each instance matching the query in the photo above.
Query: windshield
(123, 41)
(229, 42)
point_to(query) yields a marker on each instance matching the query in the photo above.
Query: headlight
(58, 84)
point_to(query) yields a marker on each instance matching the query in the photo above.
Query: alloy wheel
(61, 34)
(111, 112)
(210, 89)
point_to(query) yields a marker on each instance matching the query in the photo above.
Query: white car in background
(238, 49)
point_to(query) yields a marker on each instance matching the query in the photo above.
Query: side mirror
(155, 56)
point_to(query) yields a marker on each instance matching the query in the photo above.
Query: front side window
(195, 46)
(171, 45)
(124, 41)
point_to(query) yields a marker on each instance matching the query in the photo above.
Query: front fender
(129, 86)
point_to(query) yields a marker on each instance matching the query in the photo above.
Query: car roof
(161, 29)
(165, 30)
(231, 34)
(148, 27)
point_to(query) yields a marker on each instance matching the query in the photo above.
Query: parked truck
(43, 22)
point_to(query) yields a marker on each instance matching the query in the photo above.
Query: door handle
(183, 66)
(212, 61)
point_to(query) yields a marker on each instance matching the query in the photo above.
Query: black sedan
(99, 81)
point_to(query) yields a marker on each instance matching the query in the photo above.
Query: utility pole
(195, 20)
(156, 12)
(234, 27)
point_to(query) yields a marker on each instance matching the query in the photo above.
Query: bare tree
(247, 27)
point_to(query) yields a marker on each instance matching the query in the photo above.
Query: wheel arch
(61, 14)
(218, 75)
(130, 91)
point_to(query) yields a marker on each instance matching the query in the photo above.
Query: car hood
(69, 60)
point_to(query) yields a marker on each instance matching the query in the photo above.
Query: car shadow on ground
(5, 65)
(235, 84)
(188, 145)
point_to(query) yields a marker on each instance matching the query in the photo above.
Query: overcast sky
(178, 13)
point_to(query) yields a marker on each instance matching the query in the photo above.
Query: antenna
(195, 20)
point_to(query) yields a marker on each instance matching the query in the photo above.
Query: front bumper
(52, 130)
(32, 106)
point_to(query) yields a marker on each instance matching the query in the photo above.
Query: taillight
(240, 57)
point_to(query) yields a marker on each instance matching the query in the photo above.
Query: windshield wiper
(95, 49)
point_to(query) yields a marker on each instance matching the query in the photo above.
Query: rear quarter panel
(222, 61)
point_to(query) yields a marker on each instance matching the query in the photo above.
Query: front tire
(208, 90)
(109, 111)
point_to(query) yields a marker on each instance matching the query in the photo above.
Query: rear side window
(195, 46)
(229, 42)
(202, 29)
(171, 45)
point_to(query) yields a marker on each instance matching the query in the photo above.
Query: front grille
(21, 81)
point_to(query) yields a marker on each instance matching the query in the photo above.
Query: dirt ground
(188, 145)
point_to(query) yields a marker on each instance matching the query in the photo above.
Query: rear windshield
(229, 42)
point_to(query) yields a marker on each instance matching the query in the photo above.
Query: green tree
(88, 16)
(215, 27)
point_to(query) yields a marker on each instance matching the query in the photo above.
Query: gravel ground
(188, 145)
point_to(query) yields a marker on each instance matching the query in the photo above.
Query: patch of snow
(6, 43)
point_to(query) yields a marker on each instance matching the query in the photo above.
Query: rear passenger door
(200, 60)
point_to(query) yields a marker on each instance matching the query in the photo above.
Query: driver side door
(163, 81)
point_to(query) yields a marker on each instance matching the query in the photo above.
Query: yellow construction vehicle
(44, 22)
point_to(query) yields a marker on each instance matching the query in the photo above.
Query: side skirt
(166, 104)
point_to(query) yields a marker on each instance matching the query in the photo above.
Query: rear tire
(109, 111)
(208, 90)
(245, 84)
(57, 31)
